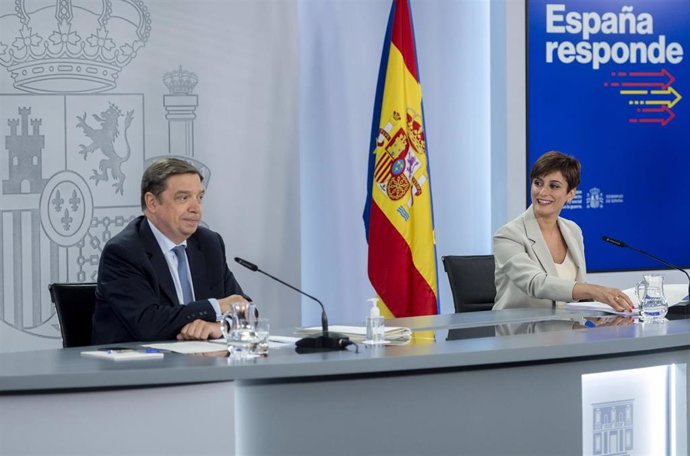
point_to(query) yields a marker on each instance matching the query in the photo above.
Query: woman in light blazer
(540, 256)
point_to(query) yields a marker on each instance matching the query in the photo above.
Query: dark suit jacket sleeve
(130, 290)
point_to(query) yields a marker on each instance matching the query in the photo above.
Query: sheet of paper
(391, 333)
(675, 293)
(187, 347)
(597, 306)
(281, 340)
(273, 341)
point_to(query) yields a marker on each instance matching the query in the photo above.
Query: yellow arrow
(669, 91)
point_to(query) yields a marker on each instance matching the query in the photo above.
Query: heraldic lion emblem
(103, 138)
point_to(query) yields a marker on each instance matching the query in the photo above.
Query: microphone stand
(326, 341)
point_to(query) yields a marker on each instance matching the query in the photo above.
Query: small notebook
(123, 354)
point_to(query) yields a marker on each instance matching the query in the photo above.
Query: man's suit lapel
(541, 251)
(160, 265)
(197, 266)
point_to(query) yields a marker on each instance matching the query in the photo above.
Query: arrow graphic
(670, 79)
(652, 90)
(667, 114)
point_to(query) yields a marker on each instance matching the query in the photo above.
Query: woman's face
(549, 194)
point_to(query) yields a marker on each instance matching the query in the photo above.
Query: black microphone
(622, 244)
(317, 343)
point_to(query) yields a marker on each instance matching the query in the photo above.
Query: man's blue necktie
(182, 272)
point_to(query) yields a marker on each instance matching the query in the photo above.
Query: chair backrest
(74, 303)
(471, 281)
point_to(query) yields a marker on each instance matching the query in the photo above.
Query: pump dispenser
(375, 327)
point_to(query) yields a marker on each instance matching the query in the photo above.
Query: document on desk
(187, 347)
(598, 306)
(359, 333)
(273, 341)
(214, 345)
(675, 294)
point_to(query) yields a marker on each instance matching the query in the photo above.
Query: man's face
(177, 211)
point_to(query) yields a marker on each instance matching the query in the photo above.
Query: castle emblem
(25, 153)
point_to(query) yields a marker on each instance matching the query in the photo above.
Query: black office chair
(471, 281)
(74, 303)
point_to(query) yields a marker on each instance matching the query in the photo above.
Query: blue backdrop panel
(606, 83)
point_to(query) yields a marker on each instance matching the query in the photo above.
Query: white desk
(517, 394)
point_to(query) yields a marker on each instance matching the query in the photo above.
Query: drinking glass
(262, 327)
(239, 331)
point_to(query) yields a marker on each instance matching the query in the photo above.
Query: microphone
(326, 341)
(622, 244)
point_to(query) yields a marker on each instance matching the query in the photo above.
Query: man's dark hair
(156, 176)
(557, 161)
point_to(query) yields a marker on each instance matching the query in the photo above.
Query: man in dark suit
(151, 288)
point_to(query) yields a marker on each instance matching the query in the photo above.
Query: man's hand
(200, 330)
(234, 303)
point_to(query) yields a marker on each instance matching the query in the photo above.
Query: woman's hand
(614, 297)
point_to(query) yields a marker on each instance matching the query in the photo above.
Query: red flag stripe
(402, 37)
(405, 292)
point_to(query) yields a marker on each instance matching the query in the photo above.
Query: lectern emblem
(612, 429)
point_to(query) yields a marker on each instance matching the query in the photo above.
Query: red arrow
(663, 121)
(670, 79)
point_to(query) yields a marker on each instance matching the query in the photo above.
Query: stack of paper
(359, 333)
(675, 294)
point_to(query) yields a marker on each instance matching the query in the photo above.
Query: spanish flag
(398, 214)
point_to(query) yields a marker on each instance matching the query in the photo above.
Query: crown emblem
(415, 131)
(180, 82)
(68, 48)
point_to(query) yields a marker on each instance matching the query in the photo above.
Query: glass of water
(262, 327)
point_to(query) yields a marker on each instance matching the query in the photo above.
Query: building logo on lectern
(612, 428)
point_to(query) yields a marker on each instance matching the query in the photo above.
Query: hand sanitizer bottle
(375, 327)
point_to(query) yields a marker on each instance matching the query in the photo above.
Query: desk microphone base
(324, 342)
